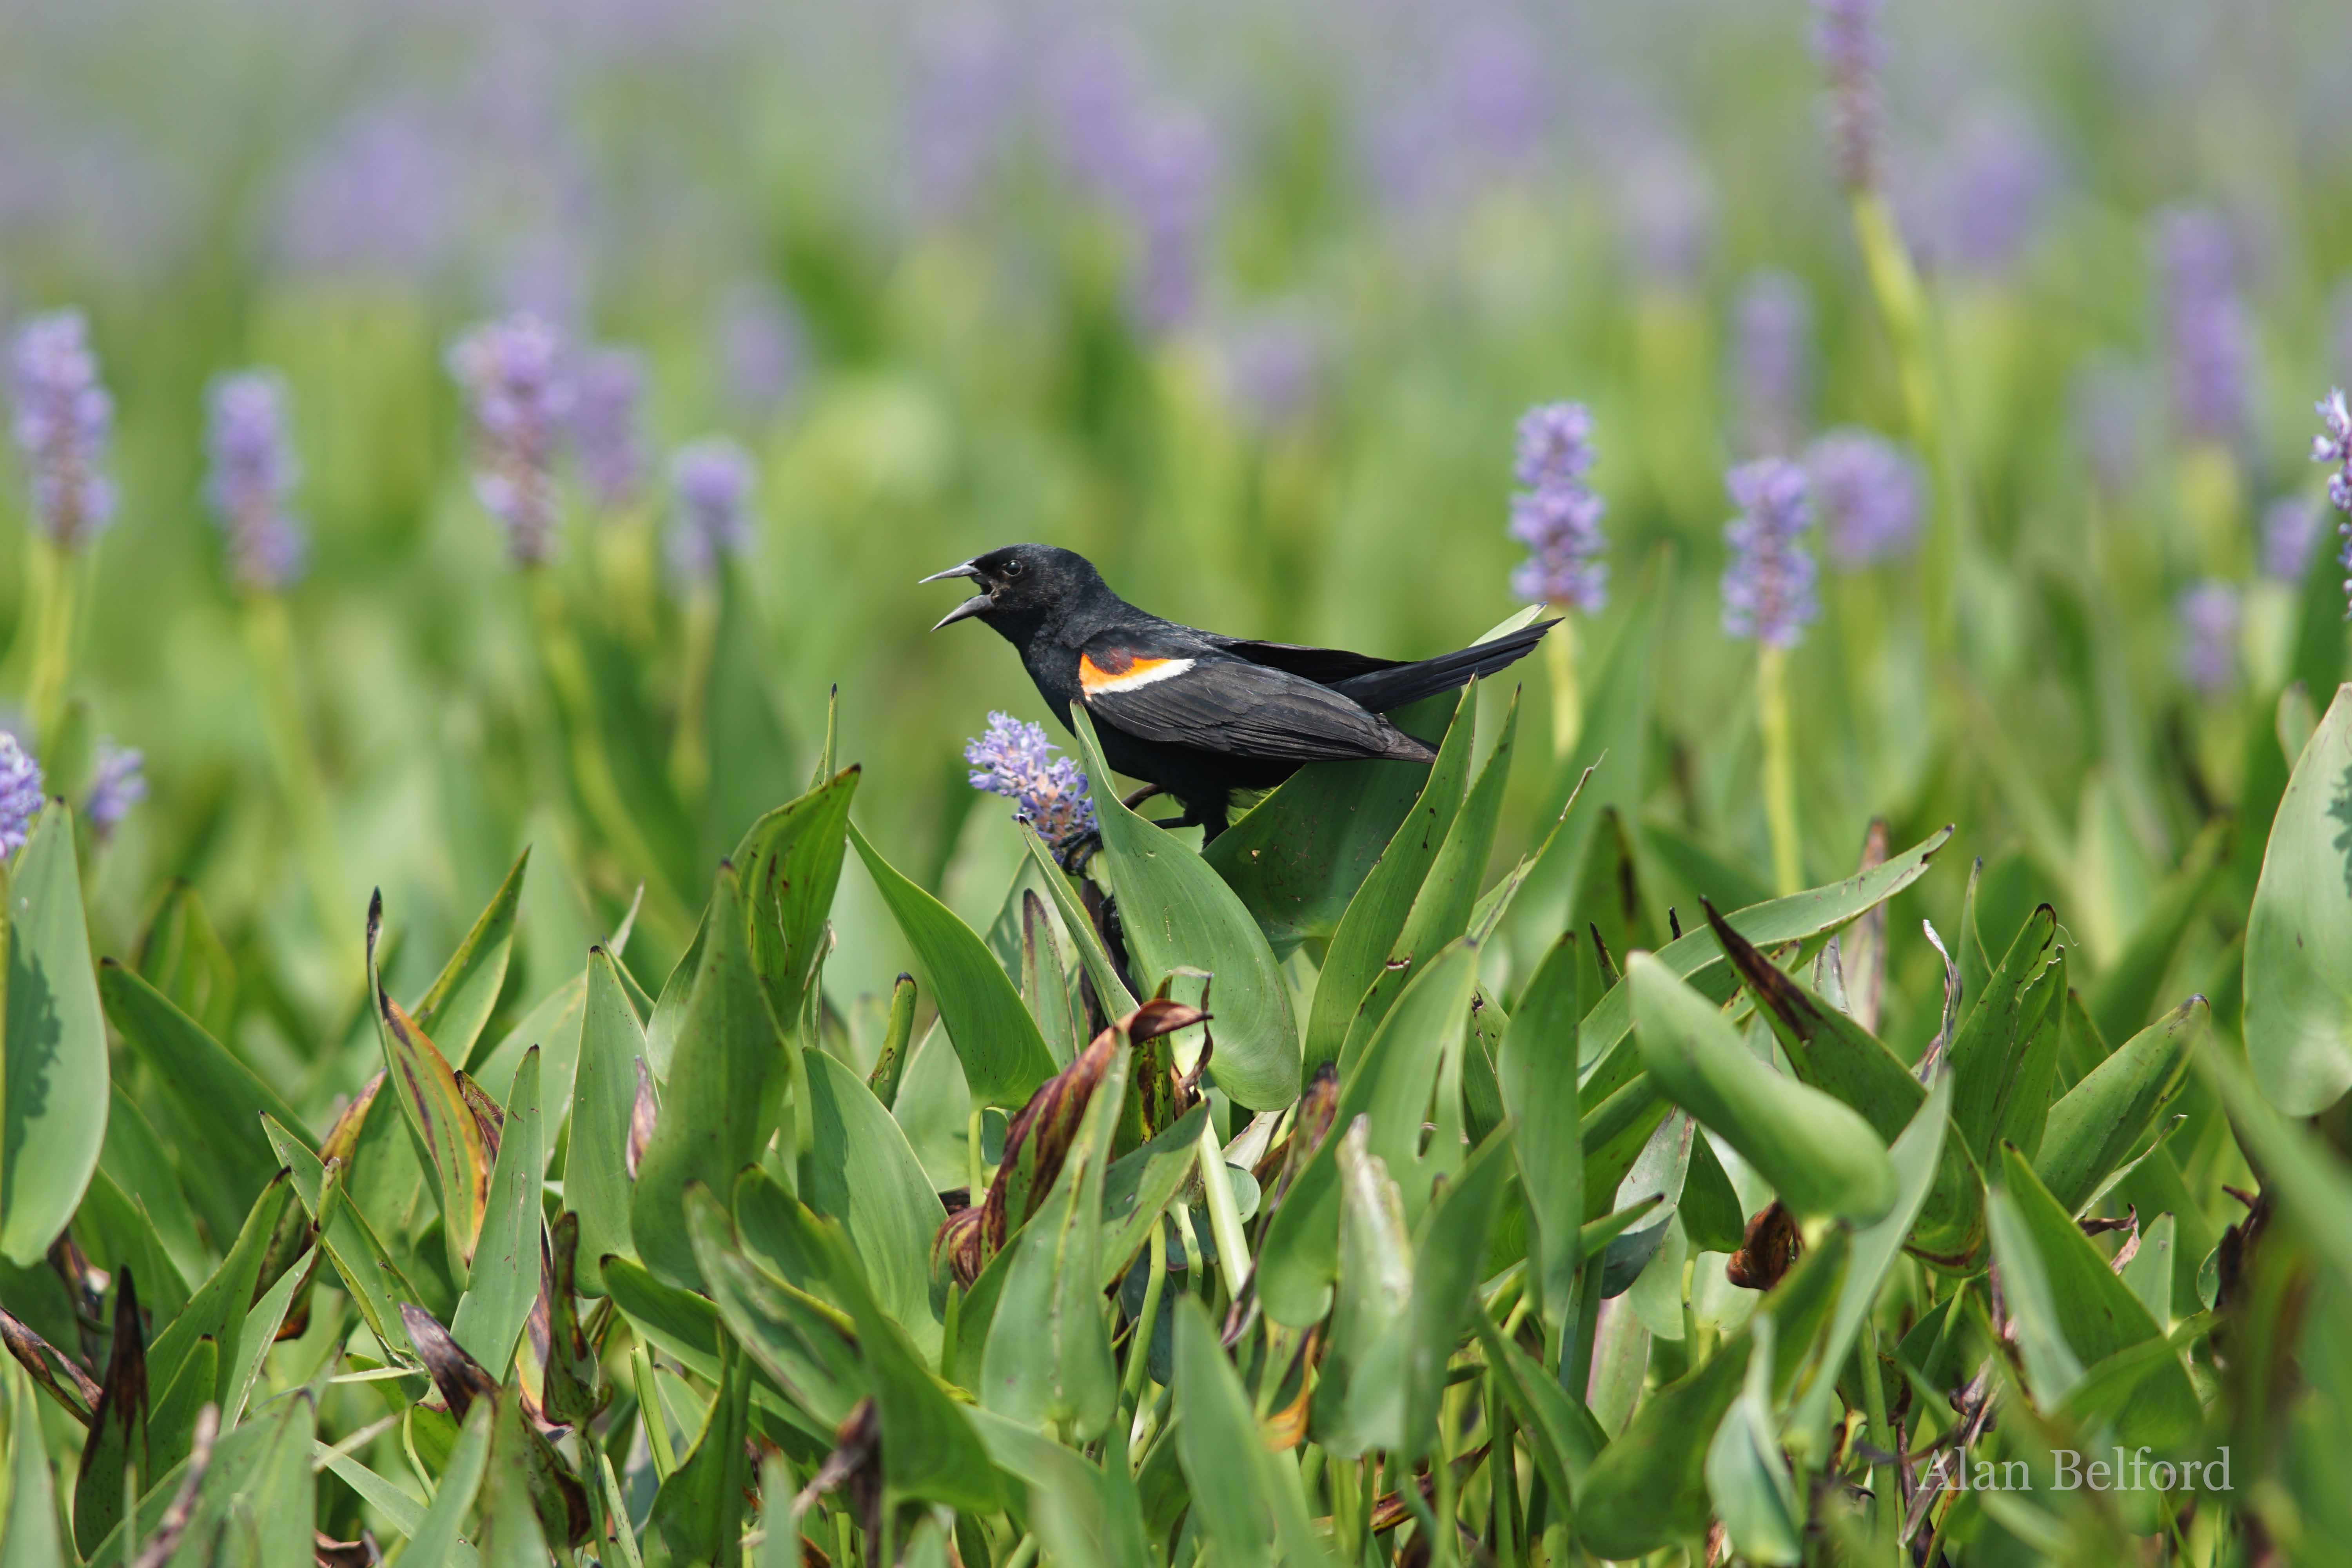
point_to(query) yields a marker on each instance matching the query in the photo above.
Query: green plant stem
(269, 642)
(592, 773)
(690, 753)
(976, 1162)
(53, 586)
(1886, 1495)
(1138, 1347)
(1503, 1474)
(1224, 1217)
(1024, 1554)
(649, 1411)
(1780, 768)
(1567, 700)
(1199, 1277)
(1575, 1369)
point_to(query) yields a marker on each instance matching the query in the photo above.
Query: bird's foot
(1075, 851)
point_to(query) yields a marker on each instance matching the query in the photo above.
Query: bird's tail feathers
(1383, 690)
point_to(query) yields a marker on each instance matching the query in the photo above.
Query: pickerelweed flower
(1846, 40)
(1867, 492)
(1667, 201)
(1270, 361)
(2333, 445)
(63, 419)
(20, 793)
(119, 783)
(762, 353)
(512, 372)
(1170, 194)
(253, 472)
(1554, 514)
(711, 481)
(1767, 590)
(1772, 363)
(2208, 627)
(2108, 415)
(605, 425)
(1014, 758)
(2210, 339)
(2290, 528)
(1986, 191)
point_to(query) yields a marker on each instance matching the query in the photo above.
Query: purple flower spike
(512, 372)
(63, 419)
(2290, 528)
(2333, 445)
(605, 425)
(761, 348)
(119, 784)
(1773, 363)
(1014, 758)
(1556, 515)
(712, 481)
(20, 793)
(1846, 41)
(1867, 492)
(2208, 336)
(2209, 625)
(1271, 364)
(253, 472)
(1767, 590)
(1173, 192)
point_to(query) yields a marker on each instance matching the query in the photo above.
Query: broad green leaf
(2092, 1129)
(1747, 1475)
(172, 1424)
(349, 1241)
(1048, 1358)
(511, 1533)
(1537, 1071)
(441, 1535)
(2126, 992)
(861, 1171)
(1300, 856)
(596, 1184)
(218, 1309)
(1179, 913)
(715, 1110)
(790, 863)
(53, 1091)
(1368, 931)
(1991, 1043)
(1248, 1501)
(134, 1157)
(29, 1532)
(506, 1275)
(1698, 958)
(804, 1354)
(448, 1140)
(1359, 1392)
(2051, 1368)
(1092, 958)
(551, 1027)
(2298, 987)
(115, 1231)
(260, 1331)
(1004, 1057)
(1820, 1155)
(1138, 1187)
(461, 998)
(1043, 985)
(259, 1485)
(1560, 1432)
(1416, 1052)
(699, 1512)
(1449, 1255)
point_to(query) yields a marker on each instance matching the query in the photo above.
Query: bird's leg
(1139, 797)
(1075, 851)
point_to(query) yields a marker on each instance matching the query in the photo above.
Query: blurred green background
(1241, 300)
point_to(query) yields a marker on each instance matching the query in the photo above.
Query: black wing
(1326, 666)
(1211, 702)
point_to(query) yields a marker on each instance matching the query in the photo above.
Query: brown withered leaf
(460, 1378)
(1308, 1128)
(489, 1116)
(854, 1466)
(342, 1139)
(1766, 1252)
(328, 1552)
(569, 1386)
(958, 1241)
(642, 1116)
(78, 1393)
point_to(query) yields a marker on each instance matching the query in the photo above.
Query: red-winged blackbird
(1196, 713)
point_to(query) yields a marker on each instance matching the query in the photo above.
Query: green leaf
(552, 1028)
(2121, 1000)
(117, 1449)
(53, 1094)
(1092, 958)
(1138, 1187)
(1043, 985)
(699, 1512)
(805, 1353)
(1560, 1432)
(1245, 1498)
(1416, 1053)
(505, 1281)
(2312, 1184)
(260, 1331)
(218, 1310)
(439, 1536)
(29, 1532)
(1298, 856)
(173, 1425)
(790, 863)
(1536, 1070)
(1747, 1475)
(1359, 1392)
(1992, 1040)
(1179, 913)
(1048, 1357)
(2298, 988)
(1820, 1155)
(1004, 1057)
(258, 1486)
(1449, 1255)
(349, 1241)
(461, 998)
(714, 1110)
(860, 1170)
(750, 744)
(1368, 931)
(134, 1158)
(596, 1184)
(2092, 1129)
(441, 1126)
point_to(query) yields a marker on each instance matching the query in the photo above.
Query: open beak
(979, 603)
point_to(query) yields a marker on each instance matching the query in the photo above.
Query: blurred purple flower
(1271, 362)
(2332, 446)
(2290, 530)
(1666, 202)
(63, 419)
(512, 372)
(20, 793)
(1772, 362)
(1014, 758)
(711, 480)
(1847, 43)
(2108, 417)
(1497, 90)
(382, 191)
(2207, 332)
(762, 347)
(1867, 492)
(1556, 515)
(1170, 196)
(1767, 590)
(959, 105)
(1987, 190)
(607, 425)
(2209, 626)
(119, 784)
(253, 473)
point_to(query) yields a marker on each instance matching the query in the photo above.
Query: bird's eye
(1013, 569)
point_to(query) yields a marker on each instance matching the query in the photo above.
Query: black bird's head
(1023, 586)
